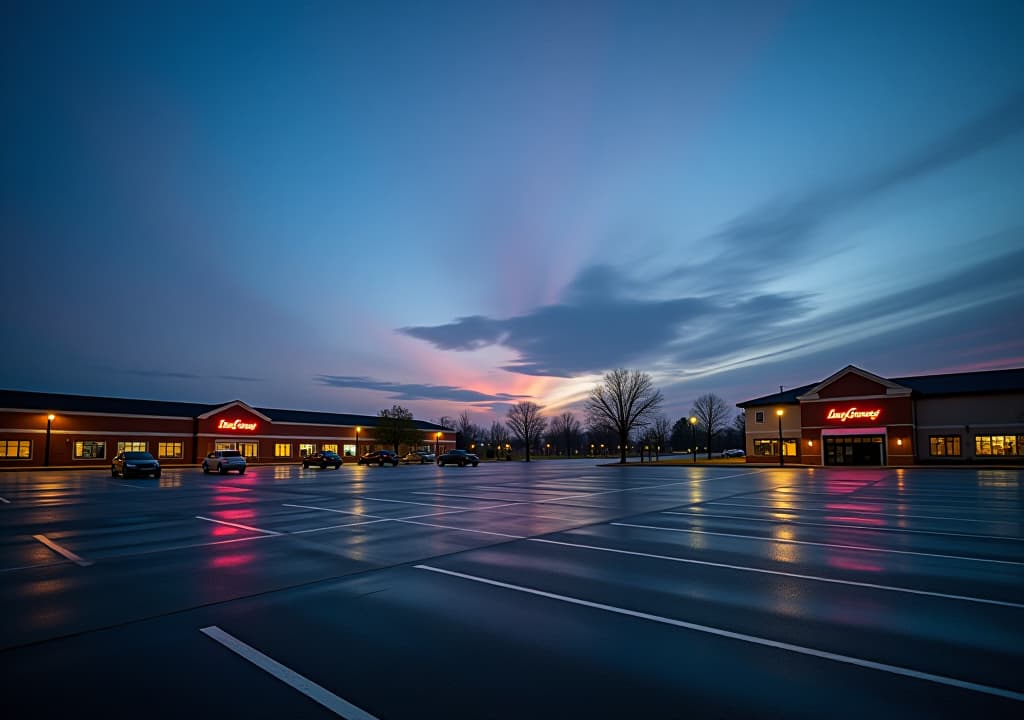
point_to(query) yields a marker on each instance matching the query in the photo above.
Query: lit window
(249, 449)
(90, 450)
(131, 446)
(349, 450)
(330, 447)
(944, 445)
(169, 450)
(20, 449)
(283, 450)
(999, 445)
(306, 449)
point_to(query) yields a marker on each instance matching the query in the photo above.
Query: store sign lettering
(852, 414)
(236, 424)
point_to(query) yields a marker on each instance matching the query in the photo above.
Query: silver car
(224, 460)
(419, 456)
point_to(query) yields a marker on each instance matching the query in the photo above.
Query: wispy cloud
(160, 374)
(413, 391)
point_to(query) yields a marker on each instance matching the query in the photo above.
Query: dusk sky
(343, 206)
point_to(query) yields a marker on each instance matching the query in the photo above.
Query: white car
(733, 453)
(223, 460)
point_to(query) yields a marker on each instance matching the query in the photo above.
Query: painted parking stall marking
(304, 685)
(238, 525)
(61, 550)
(788, 647)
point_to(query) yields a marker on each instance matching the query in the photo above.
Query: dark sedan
(127, 464)
(324, 458)
(379, 457)
(462, 458)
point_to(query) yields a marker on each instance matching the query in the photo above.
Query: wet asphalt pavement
(549, 590)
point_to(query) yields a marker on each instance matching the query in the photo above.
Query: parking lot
(511, 590)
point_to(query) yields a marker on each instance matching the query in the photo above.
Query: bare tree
(396, 427)
(467, 429)
(566, 427)
(622, 401)
(711, 412)
(498, 436)
(661, 432)
(526, 423)
(446, 421)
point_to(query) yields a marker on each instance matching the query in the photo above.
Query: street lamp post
(781, 453)
(357, 441)
(46, 454)
(437, 444)
(693, 428)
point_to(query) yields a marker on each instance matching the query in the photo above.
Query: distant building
(46, 429)
(857, 418)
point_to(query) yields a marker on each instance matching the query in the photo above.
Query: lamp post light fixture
(357, 441)
(437, 444)
(782, 454)
(46, 453)
(693, 428)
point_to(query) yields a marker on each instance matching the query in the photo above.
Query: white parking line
(776, 644)
(808, 523)
(237, 525)
(798, 576)
(452, 527)
(410, 502)
(851, 512)
(5, 501)
(60, 550)
(335, 527)
(819, 544)
(304, 685)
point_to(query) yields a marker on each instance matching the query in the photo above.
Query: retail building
(46, 429)
(857, 418)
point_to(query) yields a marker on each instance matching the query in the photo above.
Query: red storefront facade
(42, 429)
(857, 418)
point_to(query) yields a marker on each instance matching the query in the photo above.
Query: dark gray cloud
(239, 378)
(161, 374)
(413, 391)
(607, 318)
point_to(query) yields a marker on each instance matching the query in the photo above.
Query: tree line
(621, 412)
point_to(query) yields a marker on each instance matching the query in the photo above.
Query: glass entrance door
(855, 450)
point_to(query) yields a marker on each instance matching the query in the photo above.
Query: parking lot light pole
(357, 442)
(437, 444)
(782, 461)
(46, 453)
(693, 427)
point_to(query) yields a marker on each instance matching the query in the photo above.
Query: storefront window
(944, 445)
(771, 447)
(999, 445)
(21, 449)
(283, 450)
(329, 447)
(249, 449)
(306, 449)
(350, 450)
(131, 446)
(90, 450)
(172, 450)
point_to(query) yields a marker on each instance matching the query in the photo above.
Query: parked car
(458, 457)
(733, 453)
(224, 460)
(324, 458)
(134, 463)
(378, 457)
(419, 456)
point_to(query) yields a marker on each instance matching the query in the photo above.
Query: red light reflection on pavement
(846, 563)
(233, 560)
(869, 522)
(235, 515)
(854, 507)
(225, 531)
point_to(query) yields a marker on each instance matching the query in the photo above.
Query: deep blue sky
(341, 206)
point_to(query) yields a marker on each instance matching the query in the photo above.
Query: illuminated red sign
(852, 414)
(236, 424)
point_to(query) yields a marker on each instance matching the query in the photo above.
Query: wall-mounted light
(810, 443)
(899, 441)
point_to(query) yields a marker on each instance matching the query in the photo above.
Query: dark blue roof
(970, 383)
(54, 402)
